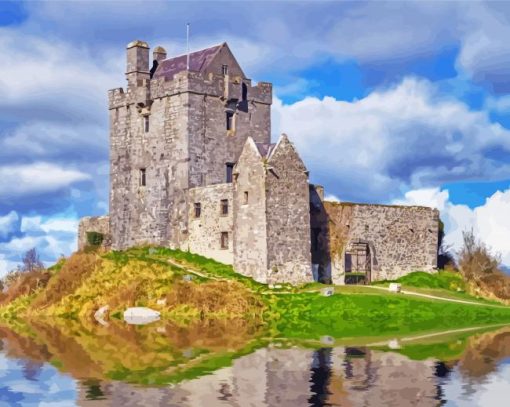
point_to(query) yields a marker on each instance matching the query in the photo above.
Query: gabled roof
(265, 149)
(198, 62)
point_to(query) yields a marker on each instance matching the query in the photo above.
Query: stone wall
(205, 230)
(288, 216)
(187, 144)
(100, 224)
(401, 239)
(250, 237)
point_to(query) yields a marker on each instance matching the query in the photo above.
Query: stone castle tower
(192, 167)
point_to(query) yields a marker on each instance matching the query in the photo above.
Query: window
(230, 171)
(224, 206)
(246, 197)
(198, 209)
(224, 240)
(230, 120)
(143, 177)
(224, 69)
(244, 92)
(146, 124)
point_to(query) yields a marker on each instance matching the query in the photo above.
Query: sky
(387, 102)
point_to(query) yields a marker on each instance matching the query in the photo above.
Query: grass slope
(158, 278)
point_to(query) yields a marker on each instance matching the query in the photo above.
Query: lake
(231, 364)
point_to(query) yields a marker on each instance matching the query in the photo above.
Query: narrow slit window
(229, 172)
(230, 120)
(143, 177)
(246, 197)
(224, 240)
(198, 209)
(224, 69)
(224, 207)
(244, 92)
(146, 124)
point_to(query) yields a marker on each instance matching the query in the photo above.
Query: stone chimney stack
(159, 54)
(137, 63)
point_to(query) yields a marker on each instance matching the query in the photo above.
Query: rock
(161, 301)
(327, 340)
(395, 287)
(278, 286)
(141, 315)
(271, 286)
(101, 314)
(188, 277)
(327, 292)
(394, 344)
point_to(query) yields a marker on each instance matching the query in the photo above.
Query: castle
(192, 166)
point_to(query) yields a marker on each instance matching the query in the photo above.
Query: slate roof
(198, 61)
(265, 149)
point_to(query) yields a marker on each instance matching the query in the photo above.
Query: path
(435, 297)
(406, 292)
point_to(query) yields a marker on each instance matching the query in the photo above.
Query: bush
(94, 238)
(24, 283)
(71, 275)
(481, 269)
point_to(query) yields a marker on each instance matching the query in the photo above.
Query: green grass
(312, 316)
(445, 280)
(444, 284)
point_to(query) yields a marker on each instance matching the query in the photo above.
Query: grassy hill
(188, 288)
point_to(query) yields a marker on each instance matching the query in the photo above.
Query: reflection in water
(92, 367)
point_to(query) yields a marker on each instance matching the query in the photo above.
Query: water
(214, 364)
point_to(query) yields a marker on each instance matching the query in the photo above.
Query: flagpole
(187, 46)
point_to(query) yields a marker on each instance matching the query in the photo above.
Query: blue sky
(386, 101)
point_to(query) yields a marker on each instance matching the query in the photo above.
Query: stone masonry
(192, 167)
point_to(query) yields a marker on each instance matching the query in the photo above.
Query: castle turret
(137, 63)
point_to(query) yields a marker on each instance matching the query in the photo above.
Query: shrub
(71, 275)
(94, 238)
(24, 283)
(481, 268)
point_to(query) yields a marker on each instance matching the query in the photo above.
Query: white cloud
(405, 137)
(490, 222)
(32, 224)
(8, 223)
(35, 178)
(6, 265)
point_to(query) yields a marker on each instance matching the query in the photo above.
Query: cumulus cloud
(408, 136)
(36, 178)
(8, 224)
(52, 236)
(490, 222)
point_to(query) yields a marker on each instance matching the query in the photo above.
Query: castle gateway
(192, 166)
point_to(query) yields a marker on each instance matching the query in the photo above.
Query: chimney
(159, 54)
(137, 63)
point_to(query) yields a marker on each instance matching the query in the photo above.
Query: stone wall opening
(357, 262)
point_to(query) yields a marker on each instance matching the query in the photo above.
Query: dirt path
(435, 297)
(406, 292)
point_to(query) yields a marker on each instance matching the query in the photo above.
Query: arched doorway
(357, 262)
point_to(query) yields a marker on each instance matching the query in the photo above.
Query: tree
(31, 261)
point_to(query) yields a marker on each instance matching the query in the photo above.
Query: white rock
(161, 301)
(394, 344)
(395, 287)
(141, 315)
(327, 340)
(328, 291)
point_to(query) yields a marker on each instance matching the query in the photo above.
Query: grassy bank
(188, 288)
